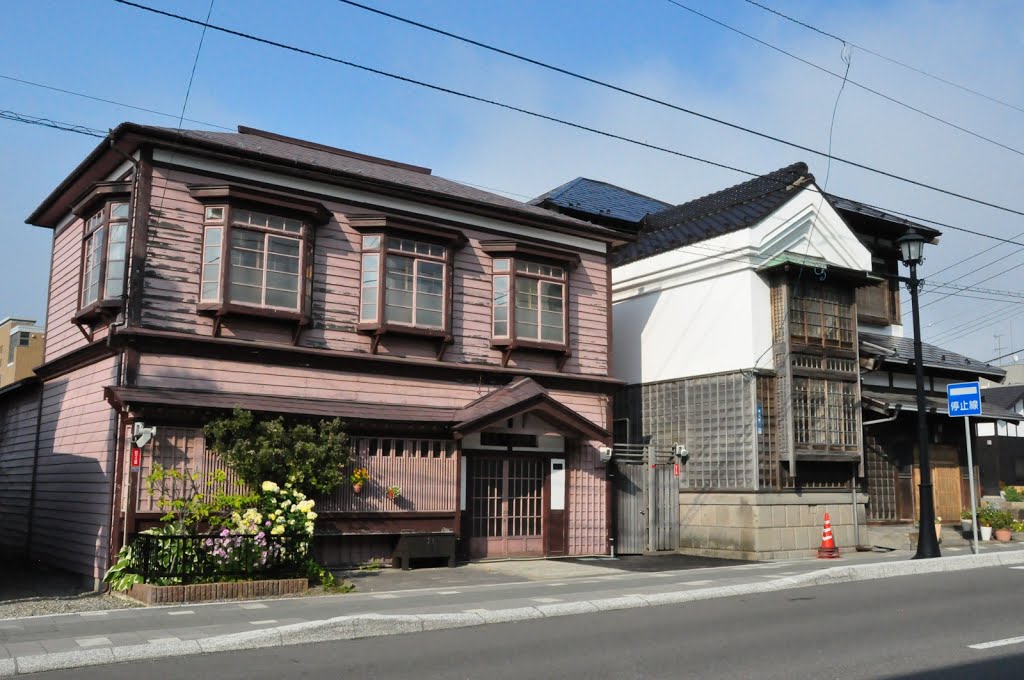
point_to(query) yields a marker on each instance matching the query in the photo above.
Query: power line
(578, 126)
(977, 329)
(974, 324)
(1005, 271)
(1016, 351)
(55, 124)
(852, 82)
(891, 60)
(108, 101)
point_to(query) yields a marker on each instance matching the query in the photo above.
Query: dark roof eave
(146, 133)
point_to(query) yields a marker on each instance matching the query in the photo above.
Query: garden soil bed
(204, 592)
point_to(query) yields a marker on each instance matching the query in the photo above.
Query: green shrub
(1012, 495)
(311, 456)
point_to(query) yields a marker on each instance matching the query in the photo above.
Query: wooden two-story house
(462, 336)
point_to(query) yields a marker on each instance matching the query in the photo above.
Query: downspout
(116, 465)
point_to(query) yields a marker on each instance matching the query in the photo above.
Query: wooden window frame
(98, 222)
(232, 200)
(798, 317)
(516, 253)
(848, 401)
(387, 227)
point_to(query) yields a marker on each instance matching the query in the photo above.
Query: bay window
(257, 253)
(405, 278)
(529, 297)
(103, 262)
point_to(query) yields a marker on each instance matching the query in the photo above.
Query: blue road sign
(963, 399)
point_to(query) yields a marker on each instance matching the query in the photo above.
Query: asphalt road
(905, 627)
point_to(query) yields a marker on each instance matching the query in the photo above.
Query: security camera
(680, 452)
(605, 453)
(141, 435)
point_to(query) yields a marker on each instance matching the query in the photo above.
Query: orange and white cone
(828, 549)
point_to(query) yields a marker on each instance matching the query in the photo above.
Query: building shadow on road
(991, 667)
(653, 563)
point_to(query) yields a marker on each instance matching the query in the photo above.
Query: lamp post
(911, 246)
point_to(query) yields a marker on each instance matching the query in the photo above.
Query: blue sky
(120, 53)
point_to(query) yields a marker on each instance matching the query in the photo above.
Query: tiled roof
(732, 209)
(902, 352)
(296, 151)
(908, 402)
(1005, 396)
(601, 199)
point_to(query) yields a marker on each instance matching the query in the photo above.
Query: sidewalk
(392, 601)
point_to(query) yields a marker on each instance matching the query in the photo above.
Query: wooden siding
(182, 450)
(18, 414)
(172, 284)
(73, 502)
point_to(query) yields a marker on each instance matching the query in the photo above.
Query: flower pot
(986, 533)
(392, 496)
(966, 526)
(357, 489)
(1002, 535)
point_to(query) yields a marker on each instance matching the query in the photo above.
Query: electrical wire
(579, 126)
(1016, 351)
(55, 124)
(862, 86)
(891, 60)
(109, 101)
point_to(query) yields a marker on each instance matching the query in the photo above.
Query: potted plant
(394, 492)
(985, 522)
(359, 477)
(965, 521)
(1002, 525)
(1018, 528)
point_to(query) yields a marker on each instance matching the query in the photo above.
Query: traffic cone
(828, 549)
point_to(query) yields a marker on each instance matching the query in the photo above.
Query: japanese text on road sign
(964, 399)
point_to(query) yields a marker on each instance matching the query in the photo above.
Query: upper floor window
(253, 258)
(257, 253)
(405, 277)
(404, 282)
(103, 265)
(820, 315)
(529, 302)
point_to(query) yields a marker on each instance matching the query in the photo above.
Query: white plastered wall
(704, 308)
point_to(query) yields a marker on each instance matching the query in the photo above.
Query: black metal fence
(202, 558)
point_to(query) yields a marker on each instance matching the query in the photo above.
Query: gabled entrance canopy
(522, 397)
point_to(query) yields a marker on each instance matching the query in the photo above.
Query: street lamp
(911, 246)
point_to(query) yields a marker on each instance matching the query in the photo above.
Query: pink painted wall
(172, 289)
(73, 502)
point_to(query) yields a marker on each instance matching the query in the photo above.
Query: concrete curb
(376, 625)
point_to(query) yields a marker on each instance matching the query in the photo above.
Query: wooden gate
(633, 508)
(946, 490)
(507, 504)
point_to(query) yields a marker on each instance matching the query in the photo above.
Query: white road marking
(695, 583)
(552, 585)
(184, 613)
(94, 614)
(998, 643)
(1016, 567)
(449, 592)
(545, 599)
(93, 642)
(384, 596)
(663, 574)
(164, 641)
(263, 623)
(253, 605)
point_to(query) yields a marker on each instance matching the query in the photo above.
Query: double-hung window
(103, 262)
(404, 282)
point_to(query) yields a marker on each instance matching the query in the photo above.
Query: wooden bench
(424, 545)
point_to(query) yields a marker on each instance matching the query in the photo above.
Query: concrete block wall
(766, 526)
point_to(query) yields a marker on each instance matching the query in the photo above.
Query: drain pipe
(853, 477)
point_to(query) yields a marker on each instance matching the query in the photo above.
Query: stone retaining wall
(203, 592)
(769, 526)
